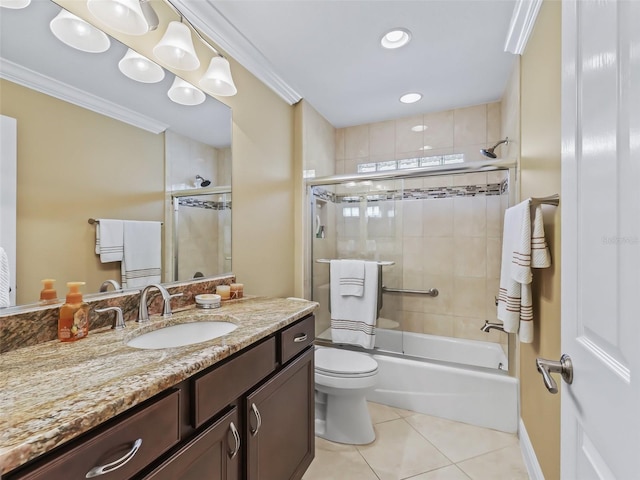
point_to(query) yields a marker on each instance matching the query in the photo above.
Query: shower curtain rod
(470, 167)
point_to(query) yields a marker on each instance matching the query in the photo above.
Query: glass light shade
(175, 49)
(125, 16)
(217, 79)
(140, 68)
(15, 4)
(184, 93)
(78, 34)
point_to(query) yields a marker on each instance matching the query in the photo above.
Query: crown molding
(206, 17)
(523, 19)
(50, 86)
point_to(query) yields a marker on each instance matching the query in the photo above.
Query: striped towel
(353, 319)
(352, 277)
(5, 279)
(109, 240)
(142, 258)
(521, 251)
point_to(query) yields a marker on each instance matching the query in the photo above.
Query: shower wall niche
(441, 232)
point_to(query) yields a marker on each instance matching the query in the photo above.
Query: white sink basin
(181, 335)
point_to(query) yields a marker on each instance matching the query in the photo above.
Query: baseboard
(528, 454)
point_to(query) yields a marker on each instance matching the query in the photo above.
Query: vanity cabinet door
(280, 423)
(214, 454)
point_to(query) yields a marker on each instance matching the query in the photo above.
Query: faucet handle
(166, 304)
(118, 321)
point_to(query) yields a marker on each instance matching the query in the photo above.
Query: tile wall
(452, 243)
(462, 130)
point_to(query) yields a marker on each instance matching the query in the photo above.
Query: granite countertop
(53, 392)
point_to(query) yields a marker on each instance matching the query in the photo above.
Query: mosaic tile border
(206, 204)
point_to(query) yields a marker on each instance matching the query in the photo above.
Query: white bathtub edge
(528, 454)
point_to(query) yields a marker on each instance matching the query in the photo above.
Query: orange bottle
(48, 293)
(73, 323)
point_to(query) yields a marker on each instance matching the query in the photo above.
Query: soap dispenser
(48, 294)
(73, 323)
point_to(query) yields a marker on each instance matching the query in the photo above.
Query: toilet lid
(341, 362)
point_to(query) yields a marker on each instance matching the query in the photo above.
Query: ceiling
(329, 53)
(325, 51)
(27, 41)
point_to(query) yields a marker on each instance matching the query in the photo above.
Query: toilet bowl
(342, 379)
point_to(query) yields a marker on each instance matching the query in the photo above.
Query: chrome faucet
(143, 309)
(105, 285)
(492, 326)
(118, 320)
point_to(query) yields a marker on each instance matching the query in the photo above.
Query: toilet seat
(344, 363)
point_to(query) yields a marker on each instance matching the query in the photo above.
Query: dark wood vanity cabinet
(251, 416)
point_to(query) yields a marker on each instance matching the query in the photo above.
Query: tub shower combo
(436, 235)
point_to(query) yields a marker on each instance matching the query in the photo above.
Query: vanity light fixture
(139, 68)
(175, 49)
(184, 93)
(78, 34)
(124, 16)
(15, 4)
(410, 97)
(217, 79)
(396, 38)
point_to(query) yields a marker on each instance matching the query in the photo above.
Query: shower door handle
(563, 367)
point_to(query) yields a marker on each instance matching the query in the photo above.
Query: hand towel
(352, 277)
(5, 280)
(353, 318)
(142, 258)
(515, 304)
(109, 240)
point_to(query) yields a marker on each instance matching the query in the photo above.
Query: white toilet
(343, 378)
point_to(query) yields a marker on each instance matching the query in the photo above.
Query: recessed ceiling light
(396, 38)
(419, 128)
(426, 147)
(410, 97)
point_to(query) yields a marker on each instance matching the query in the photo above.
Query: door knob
(546, 367)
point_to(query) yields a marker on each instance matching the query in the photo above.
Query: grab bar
(432, 292)
(382, 263)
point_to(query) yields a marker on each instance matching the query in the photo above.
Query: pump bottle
(73, 323)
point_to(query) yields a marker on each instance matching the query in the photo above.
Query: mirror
(128, 162)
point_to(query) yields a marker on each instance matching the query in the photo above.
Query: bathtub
(461, 380)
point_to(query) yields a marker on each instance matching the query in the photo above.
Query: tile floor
(414, 446)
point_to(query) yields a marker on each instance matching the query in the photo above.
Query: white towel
(5, 280)
(515, 305)
(142, 258)
(352, 277)
(353, 318)
(109, 240)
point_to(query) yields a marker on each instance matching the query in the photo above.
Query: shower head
(203, 182)
(489, 152)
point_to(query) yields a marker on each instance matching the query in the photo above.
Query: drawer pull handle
(236, 437)
(110, 467)
(258, 419)
(300, 338)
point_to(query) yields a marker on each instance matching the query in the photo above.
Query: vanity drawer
(156, 427)
(216, 389)
(296, 338)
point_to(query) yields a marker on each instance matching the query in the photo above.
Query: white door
(601, 238)
(8, 155)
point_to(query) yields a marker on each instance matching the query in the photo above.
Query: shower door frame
(511, 166)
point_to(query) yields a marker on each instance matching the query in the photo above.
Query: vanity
(240, 406)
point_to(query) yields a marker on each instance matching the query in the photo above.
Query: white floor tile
(503, 464)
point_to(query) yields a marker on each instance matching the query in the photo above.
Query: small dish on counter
(208, 300)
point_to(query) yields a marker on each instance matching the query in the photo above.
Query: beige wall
(540, 167)
(263, 187)
(70, 169)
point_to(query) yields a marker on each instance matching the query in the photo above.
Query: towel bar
(93, 221)
(382, 263)
(432, 292)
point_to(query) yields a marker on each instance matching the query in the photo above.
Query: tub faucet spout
(488, 326)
